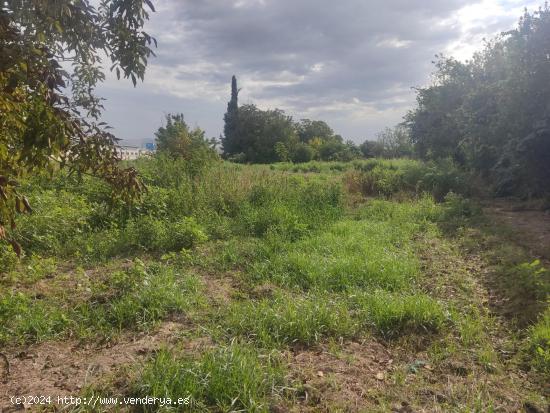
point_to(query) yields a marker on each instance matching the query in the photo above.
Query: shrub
(302, 153)
(457, 210)
(59, 216)
(185, 233)
(8, 258)
(388, 177)
(146, 233)
(158, 235)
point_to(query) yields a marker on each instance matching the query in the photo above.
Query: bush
(8, 258)
(146, 233)
(185, 233)
(457, 210)
(302, 153)
(377, 177)
(157, 235)
(59, 216)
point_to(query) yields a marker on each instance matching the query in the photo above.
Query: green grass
(391, 314)
(232, 378)
(312, 318)
(132, 299)
(289, 319)
(375, 250)
(306, 257)
(539, 343)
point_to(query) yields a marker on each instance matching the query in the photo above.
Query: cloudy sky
(352, 63)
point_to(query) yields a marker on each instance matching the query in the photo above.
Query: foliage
(60, 217)
(8, 258)
(259, 131)
(392, 177)
(230, 140)
(252, 135)
(302, 153)
(177, 140)
(540, 343)
(334, 149)
(152, 234)
(308, 130)
(41, 127)
(282, 152)
(396, 142)
(490, 114)
(293, 264)
(457, 210)
(372, 149)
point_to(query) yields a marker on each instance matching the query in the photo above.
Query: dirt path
(530, 228)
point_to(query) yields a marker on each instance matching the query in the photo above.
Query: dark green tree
(491, 114)
(177, 140)
(230, 140)
(260, 131)
(302, 153)
(372, 149)
(308, 129)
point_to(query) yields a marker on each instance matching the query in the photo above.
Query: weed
(288, 319)
(396, 314)
(539, 343)
(232, 378)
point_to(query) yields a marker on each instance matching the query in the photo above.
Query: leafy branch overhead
(52, 56)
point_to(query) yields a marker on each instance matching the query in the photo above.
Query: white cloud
(483, 20)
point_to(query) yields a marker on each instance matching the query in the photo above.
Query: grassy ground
(255, 288)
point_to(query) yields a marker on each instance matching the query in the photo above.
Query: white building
(129, 153)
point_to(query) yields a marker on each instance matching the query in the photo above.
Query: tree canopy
(230, 138)
(52, 52)
(263, 136)
(177, 140)
(492, 114)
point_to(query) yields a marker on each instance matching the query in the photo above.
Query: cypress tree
(230, 142)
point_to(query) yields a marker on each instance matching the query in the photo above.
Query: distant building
(129, 153)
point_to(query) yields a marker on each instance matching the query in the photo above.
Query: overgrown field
(364, 286)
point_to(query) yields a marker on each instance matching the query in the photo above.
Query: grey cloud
(306, 55)
(263, 39)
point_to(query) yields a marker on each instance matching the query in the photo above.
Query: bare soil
(530, 226)
(63, 368)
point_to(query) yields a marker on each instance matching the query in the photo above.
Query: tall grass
(232, 378)
(178, 211)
